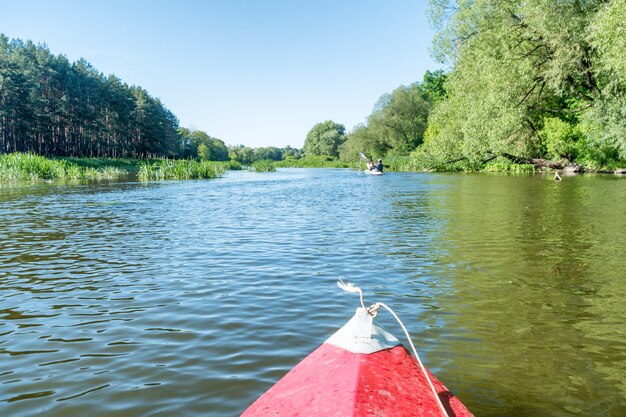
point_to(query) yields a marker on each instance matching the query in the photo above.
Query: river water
(192, 298)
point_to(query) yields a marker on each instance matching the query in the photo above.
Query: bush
(561, 139)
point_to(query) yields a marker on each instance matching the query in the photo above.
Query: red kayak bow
(359, 371)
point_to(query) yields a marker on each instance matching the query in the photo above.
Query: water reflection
(528, 260)
(193, 297)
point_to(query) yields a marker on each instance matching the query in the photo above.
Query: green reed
(264, 165)
(30, 167)
(180, 169)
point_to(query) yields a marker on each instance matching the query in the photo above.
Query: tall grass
(29, 167)
(230, 165)
(180, 169)
(265, 165)
(122, 164)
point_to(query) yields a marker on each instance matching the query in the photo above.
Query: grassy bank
(30, 167)
(128, 165)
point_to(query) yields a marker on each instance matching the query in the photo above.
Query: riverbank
(30, 167)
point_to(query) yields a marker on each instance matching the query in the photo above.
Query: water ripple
(193, 297)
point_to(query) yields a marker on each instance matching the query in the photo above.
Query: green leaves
(325, 139)
(198, 144)
(530, 79)
(562, 139)
(399, 120)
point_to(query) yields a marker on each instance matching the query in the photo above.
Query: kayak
(373, 172)
(361, 370)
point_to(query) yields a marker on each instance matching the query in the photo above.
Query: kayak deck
(361, 370)
(334, 382)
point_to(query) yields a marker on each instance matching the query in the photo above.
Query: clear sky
(257, 73)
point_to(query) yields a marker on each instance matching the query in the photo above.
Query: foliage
(324, 139)
(503, 165)
(433, 86)
(270, 153)
(242, 154)
(399, 120)
(27, 166)
(313, 162)
(289, 152)
(52, 107)
(264, 165)
(198, 144)
(247, 156)
(230, 165)
(180, 169)
(361, 139)
(122, 164)
(562, 139)
(401, 163)
(539, 79)
(607, 33)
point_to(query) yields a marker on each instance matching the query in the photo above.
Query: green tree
(562, 139)
(399, 119)
(516, 64)
(289, 152)
(242, 154)
(360, 139)
(203, 152)
(199, 144)
(433, 86)
(270, 153)
(53, 107)
(325, 139)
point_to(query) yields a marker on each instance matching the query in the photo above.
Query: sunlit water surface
(192, 298)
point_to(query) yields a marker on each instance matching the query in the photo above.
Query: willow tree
(518, 66)
(324, 139)
(398, 121)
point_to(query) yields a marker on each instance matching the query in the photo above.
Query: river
(192, 298)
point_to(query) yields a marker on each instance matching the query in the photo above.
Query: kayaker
(370, 165)
(379, 165)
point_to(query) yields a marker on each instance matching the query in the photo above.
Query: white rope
(350, 287)
(373, 310)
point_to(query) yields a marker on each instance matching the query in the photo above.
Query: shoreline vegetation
(30, 167)
(516, 98)
(17, 167)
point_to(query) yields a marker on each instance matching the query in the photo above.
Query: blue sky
(257, 73)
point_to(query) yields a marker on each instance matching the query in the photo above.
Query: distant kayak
(373, 172)
(359, 371)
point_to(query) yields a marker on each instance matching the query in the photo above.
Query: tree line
(52, 107)
(541, 83)
(395, 127)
